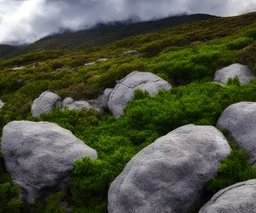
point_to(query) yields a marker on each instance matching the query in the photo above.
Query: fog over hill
(25, 21)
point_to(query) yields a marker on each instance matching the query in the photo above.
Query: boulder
(40, 156)
(240, 122)
(123, 92)
(244, 74)
(46, 102)
(1, 104)
(169, 175)
(236, 198)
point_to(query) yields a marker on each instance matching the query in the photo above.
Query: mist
(25, 21)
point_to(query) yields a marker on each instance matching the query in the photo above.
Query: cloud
(25, 21)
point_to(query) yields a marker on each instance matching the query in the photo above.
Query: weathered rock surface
(75, 105)
(1, 104)
(238, 198)
(40, 156)
(244, 74)
(46, 102)
(169, 175)
(240, 121)
(124, 91)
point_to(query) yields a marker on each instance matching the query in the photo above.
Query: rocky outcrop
(70, 104)
(1, 104)
(236, 198)
(46, 102)
(244, 74)
(169, 175)
(40, 156)
(240, 121)
(123, 92)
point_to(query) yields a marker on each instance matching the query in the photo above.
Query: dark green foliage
(52, 204)
(232, 170)
(9, 198)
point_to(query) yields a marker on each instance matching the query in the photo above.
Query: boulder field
(40, 156)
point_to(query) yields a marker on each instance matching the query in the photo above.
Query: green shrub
(239, 43)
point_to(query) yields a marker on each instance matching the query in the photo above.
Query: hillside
(186, 56)
(101, 35)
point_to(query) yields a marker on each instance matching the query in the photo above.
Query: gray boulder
(169, 175)
(238, 198)
(124, 91)
(244, 74)
(40, 156)
(240, 121)
(1, 104)
(46, 102)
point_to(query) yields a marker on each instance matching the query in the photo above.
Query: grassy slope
(187, 56)
(101, 35)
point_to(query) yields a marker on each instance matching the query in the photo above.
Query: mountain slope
(102, 34)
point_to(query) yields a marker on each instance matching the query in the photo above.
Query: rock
(89, 64)
(40, 156)
(96, 105)
(240, 121)
(1, 104)
(123, 93)
(105, 98)
(46, 102)
(135, 53)
(102, 59)
(244, 74)
(169, 175)
(236, 198)
(70, 104)
(18, 68)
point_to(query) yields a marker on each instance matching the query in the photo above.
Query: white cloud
(29, 20)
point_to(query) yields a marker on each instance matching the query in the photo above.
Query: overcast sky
(29, 20)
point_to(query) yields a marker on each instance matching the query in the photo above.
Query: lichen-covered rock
(169, 175)
(244, 74)
(40, 156)
(46, 102)
(240, 121)
(123, 92)
(238, 198)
